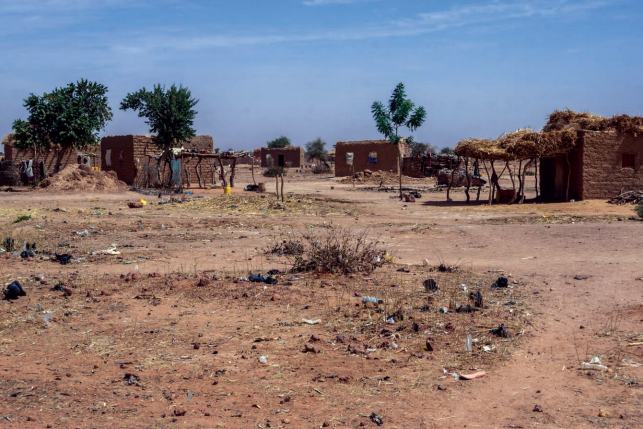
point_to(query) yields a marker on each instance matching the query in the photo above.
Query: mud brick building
(375, 155)
(601, 165)
(290, 157)
(133, 158)
(54, 160)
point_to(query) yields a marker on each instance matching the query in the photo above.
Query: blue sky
(312, 68)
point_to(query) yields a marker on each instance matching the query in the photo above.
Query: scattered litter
(60, 287)
(466, 309)
(537, 409)
(594, 364)
(443, 310)
(463, 287)
(377, 419)
(135, 205)
(28, 250)
(47, 317)
(263, 359)
(371, 300)
(260, 278)
(487, 349)
(501, 331)
(131, 379)
(581, 277)
(430, 285)
(14, 291)
(473, 376)
(477, 299)
(110, 251)
(311, 321)
(502, 282)
(83, 233)
(63, 259)
(468, 344)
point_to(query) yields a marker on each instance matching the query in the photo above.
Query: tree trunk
(252, 169)
(569, 176)
(522, 182)
(283, 198)
(536, 178)
(466, 173)
(233, 167)
(197, 170)
(399, 166)
(277, 185)
(517, 195)
(495, 179)
(486, 170)
(451, 180)
(224, 182)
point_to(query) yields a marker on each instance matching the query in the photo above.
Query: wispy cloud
(489, 13)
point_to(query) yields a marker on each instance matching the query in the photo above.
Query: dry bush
(339, 250)
(291, 247)
(639, 209)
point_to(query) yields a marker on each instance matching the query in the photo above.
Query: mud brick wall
(54, 160)
(603, 173)
(293, 157)
(414, 166)
(132, 158)
(386, 157)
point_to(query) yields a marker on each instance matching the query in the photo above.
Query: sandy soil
(164, 335)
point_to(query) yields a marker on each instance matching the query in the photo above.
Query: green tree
(279, 142)
(399, 113)
(420, 149)
(170, 115)
(447, 151)
(65, 118)
(316, 150)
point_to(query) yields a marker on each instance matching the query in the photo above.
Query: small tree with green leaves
(447, 151)
(170, 115)
(420, 149)
(279, 143)
(65, 118)
(399, 113)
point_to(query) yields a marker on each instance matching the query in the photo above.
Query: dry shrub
(639, 209)
(339, 251)
(287, 248)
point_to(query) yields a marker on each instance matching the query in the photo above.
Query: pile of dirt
(80, 178)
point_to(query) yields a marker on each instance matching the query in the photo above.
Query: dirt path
(544, 246)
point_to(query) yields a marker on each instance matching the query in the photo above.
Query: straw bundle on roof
(527, 144)
(568, 119)
(481, 149)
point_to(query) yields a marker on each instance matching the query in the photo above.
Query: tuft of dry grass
(339, 250)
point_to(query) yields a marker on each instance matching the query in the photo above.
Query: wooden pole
(466, 172)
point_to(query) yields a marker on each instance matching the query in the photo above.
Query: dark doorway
(281, 161)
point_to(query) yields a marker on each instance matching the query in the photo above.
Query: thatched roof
(568, 119)
(481, 149)
(558, 136)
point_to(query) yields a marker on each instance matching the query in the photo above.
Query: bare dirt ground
(167, 333)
